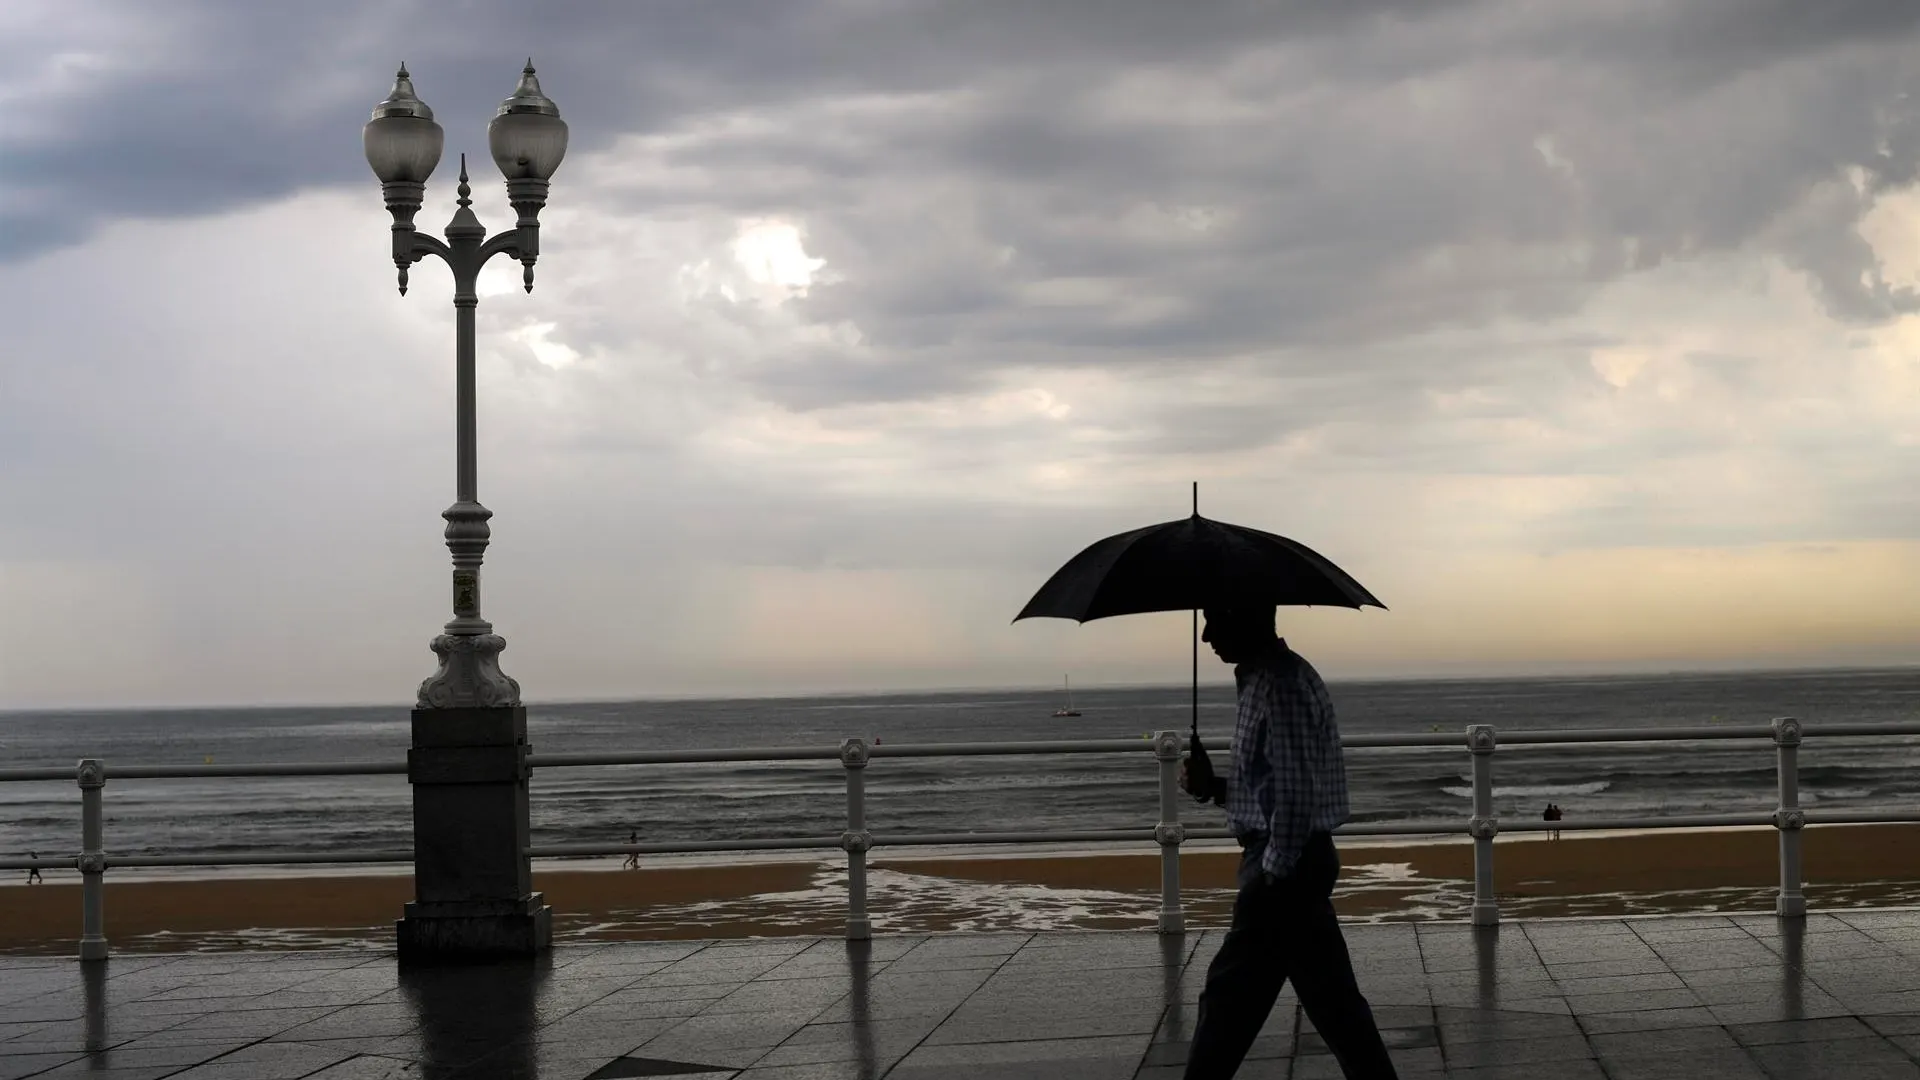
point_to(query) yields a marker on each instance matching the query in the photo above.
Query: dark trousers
(1282, 931)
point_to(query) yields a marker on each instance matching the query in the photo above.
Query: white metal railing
(854, 755)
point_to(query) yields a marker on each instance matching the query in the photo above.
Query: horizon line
(1545, 676)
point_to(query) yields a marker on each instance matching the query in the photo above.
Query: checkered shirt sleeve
(1289, 776)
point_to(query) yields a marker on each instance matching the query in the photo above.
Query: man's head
(1240, 634)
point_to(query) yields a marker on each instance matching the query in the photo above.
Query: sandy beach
(1672, 872)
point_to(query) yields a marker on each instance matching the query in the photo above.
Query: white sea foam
(902, 902)
(917, 902)
(397, 726)
(303, 939)
(1534, 791)
(1823, 794)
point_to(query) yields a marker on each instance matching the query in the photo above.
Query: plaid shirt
(1289, 778)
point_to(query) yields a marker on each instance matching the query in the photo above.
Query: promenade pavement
(1700, 998)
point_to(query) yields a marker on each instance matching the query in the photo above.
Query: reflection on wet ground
(1699, 996)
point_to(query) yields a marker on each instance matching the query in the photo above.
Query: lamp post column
(469, 675)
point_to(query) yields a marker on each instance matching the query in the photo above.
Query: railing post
(92, 862)
(1169, 833)
(853, 754)
(1483, 825)
(1789, 819)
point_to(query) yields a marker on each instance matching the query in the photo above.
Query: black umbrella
(1190, 564)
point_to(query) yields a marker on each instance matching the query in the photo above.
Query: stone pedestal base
(440, 933)
(472, 879)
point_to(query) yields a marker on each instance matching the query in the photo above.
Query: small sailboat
(1069, 710)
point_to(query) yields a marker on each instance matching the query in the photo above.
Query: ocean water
(793, 799)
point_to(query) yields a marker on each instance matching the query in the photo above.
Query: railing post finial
(1481, 738)
(1786, 731)
(854, 753)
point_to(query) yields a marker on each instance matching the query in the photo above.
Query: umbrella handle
(1196, 638)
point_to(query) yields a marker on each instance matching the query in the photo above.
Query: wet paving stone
(1633, 999)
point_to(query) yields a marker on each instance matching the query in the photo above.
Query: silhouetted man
(33, 872)
(1285, 795)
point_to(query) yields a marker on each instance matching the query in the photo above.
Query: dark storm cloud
(1702, 42)
(1432, 187)
(223, 103)
(1005, 185)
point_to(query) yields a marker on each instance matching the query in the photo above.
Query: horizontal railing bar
(1456, 740)
(1861, 817)
(687, 757)
(553, 851)
(300, 768)
(66, 774)
(988, 749)
(1144, 832)
(1905, 727)
(1613, 735)
(1693, 733)
(1397, 828)
(175, 772)
(170, 772)
(1673, 821)
(261, 858)
(799, 753)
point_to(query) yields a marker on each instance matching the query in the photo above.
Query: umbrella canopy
(1193, 563)
(1190, 564)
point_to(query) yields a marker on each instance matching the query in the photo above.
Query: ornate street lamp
(468, 764)
(403, 144)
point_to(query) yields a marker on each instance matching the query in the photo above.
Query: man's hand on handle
(1217, 793)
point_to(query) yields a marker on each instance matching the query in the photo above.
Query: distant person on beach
(1286, 793)
(633, 857)
(1552, 814)
(33, 872)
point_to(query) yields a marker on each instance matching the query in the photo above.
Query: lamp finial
(401, 100)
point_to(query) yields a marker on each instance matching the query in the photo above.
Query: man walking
(1286, 794)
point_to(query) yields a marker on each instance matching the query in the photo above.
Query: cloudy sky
(1585, 335)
